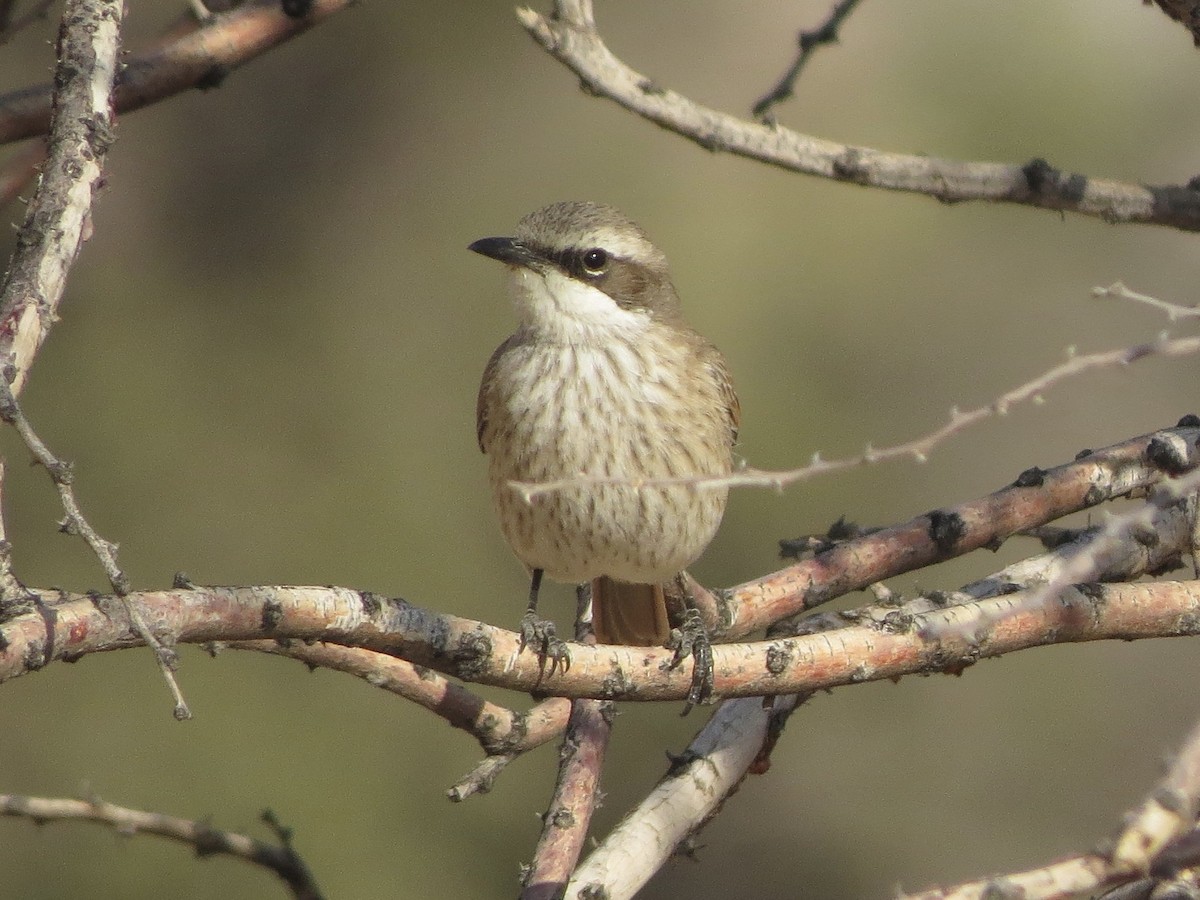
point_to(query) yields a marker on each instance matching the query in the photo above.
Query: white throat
(566, 310)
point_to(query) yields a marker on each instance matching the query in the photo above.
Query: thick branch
(1036, 497)
(738, 735)
(576, 794)
(57, 216)
(570, 35)
(947, 640)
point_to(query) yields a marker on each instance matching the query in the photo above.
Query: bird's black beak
(507, 250)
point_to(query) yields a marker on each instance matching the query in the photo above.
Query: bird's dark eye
(595, 261)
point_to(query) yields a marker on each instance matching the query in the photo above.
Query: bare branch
(1135, 526)
(207, 841)
(570, 35)
(704, 775)
(946, 640)
(57, 218)
(500, 731)
(1073, 877)
(1036, 497)
(201, 59)
(479, 653)
(809, 41)
(55, 227)
(576, 794)
(1167, 815)
(62, 475)
(1173, 310)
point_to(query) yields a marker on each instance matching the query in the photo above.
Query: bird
(601, 388)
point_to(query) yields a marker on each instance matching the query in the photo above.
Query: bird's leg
(540, 634)
(583, 619)
(690, 638)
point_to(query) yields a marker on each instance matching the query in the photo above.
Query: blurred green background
(266, 371)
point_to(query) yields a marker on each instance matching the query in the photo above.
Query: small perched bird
(602, 380)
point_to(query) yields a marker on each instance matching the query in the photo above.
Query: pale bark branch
(943, 640)
(473, 651)
(570, 35)
(716, 761)
(59, 214)
(1167, 814)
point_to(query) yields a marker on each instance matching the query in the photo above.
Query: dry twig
(809, 41)
(281, 859)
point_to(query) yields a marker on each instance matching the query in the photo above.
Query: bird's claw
(540, 636)
(691, 639)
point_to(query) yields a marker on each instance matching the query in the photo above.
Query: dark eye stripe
(572, 262)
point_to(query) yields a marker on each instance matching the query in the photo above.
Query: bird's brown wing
(719, 369)
(486, 397)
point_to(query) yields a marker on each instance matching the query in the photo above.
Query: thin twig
(570, 35)
(62, 474)
(1173, 310)
(917, 449)
(809, 41)
(281, 859)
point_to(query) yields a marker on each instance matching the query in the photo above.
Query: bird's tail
(624, 613)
